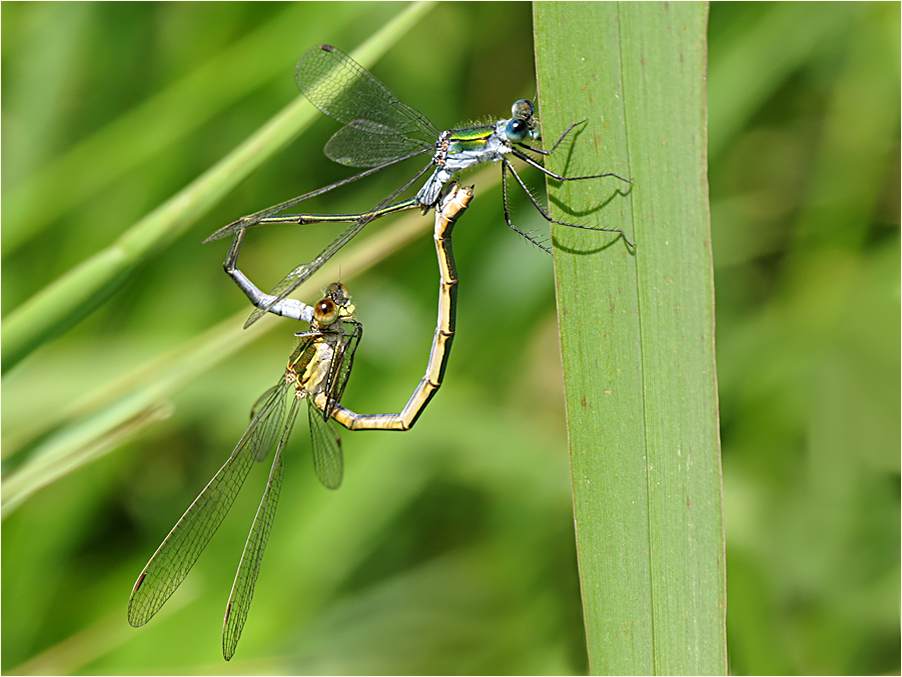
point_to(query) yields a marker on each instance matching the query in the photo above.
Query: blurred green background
(450, 548)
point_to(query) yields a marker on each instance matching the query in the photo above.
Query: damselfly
(317, 371)
(379, 130)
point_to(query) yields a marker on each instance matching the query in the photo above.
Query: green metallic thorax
(469, 139)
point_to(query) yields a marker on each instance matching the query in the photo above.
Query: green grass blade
(637, 330)
(69, 299)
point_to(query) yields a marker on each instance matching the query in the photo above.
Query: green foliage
(450, 547)
(805, 221)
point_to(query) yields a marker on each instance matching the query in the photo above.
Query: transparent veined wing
(246, 578)
(172, 561)
(359, 144)
(328, 459)
(346, 91)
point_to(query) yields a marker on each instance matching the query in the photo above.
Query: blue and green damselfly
(379, 131)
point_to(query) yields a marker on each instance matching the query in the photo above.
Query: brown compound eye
(339, 292)
(325, 311)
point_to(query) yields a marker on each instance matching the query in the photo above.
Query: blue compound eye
(522, 108)
(516, 130)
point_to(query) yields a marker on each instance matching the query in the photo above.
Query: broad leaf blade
(637, 330)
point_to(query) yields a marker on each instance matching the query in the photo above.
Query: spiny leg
(528, 160)
(557, 143)
(507, 216)
(547, 216)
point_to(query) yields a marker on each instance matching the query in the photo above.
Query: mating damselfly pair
(317, 372)
(379, 131)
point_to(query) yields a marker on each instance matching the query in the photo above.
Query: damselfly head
(523, 124)
(335, 304)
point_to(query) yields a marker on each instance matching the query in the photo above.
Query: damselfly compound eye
(338, 293)
(522, 109)
(325, 312)
(517, 130)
